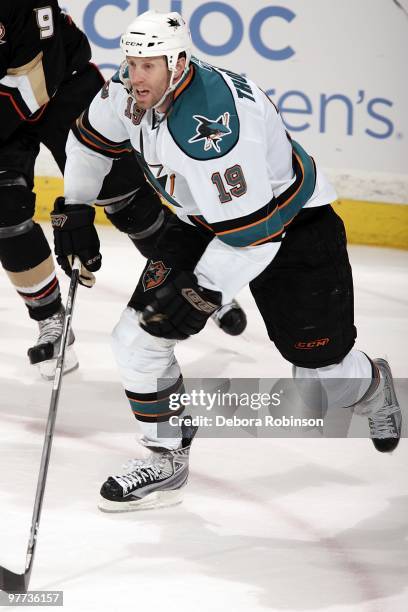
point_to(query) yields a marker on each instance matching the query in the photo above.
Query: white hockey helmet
(154, 34)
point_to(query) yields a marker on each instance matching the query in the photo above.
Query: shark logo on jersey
(212, 131)
(155, 275)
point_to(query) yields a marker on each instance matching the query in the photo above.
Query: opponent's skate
(230, 318)
(386, 422)
(44, 353)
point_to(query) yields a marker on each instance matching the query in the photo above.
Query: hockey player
(46, 80)
(215, 147)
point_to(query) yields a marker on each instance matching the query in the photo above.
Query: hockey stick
(18, 583)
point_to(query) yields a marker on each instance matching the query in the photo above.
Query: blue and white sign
(335, 69)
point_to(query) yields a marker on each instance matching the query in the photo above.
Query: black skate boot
(386, 422)
(230, 318)
(45, 352)
(155, 482)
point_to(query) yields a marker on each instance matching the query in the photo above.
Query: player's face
(150, 78)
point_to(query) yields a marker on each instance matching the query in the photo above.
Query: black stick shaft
(9, 581)
(49, 432)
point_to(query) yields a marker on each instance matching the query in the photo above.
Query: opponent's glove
(75, 234)
(180, 308)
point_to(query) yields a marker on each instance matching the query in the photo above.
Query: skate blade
(158, 499)
(47, 368)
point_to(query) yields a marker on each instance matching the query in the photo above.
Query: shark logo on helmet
(174, 23)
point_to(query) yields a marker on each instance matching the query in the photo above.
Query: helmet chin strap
(172, 86)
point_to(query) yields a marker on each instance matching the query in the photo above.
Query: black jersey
(40, 48)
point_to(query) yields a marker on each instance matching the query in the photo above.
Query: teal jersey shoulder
(116, 76)
(204, 121)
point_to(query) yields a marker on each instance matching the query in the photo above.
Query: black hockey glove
(75, 234)
(180, 309)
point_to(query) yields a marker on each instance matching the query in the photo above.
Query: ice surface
(283, 525)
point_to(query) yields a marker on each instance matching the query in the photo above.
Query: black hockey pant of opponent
(24, 251)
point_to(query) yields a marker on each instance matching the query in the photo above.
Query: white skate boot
(44, 353)
(383, 411)
(155, 482)
(386, 422)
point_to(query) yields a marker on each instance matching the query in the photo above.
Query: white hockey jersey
(221, 158)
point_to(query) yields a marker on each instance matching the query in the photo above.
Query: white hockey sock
(151, 437)
(342, 384)
(147, 365)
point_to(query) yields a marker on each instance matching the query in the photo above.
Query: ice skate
(44, 353)
(386, 422)
(382, 410)
(155, 482)
(230, 318)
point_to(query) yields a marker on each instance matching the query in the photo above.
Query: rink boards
(370, 223)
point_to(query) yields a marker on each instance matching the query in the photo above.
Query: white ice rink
(281, 524)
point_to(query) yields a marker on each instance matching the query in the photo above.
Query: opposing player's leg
(36, 280)
(317, 335)
(25, 254)
(158, 233)
(24, 250)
